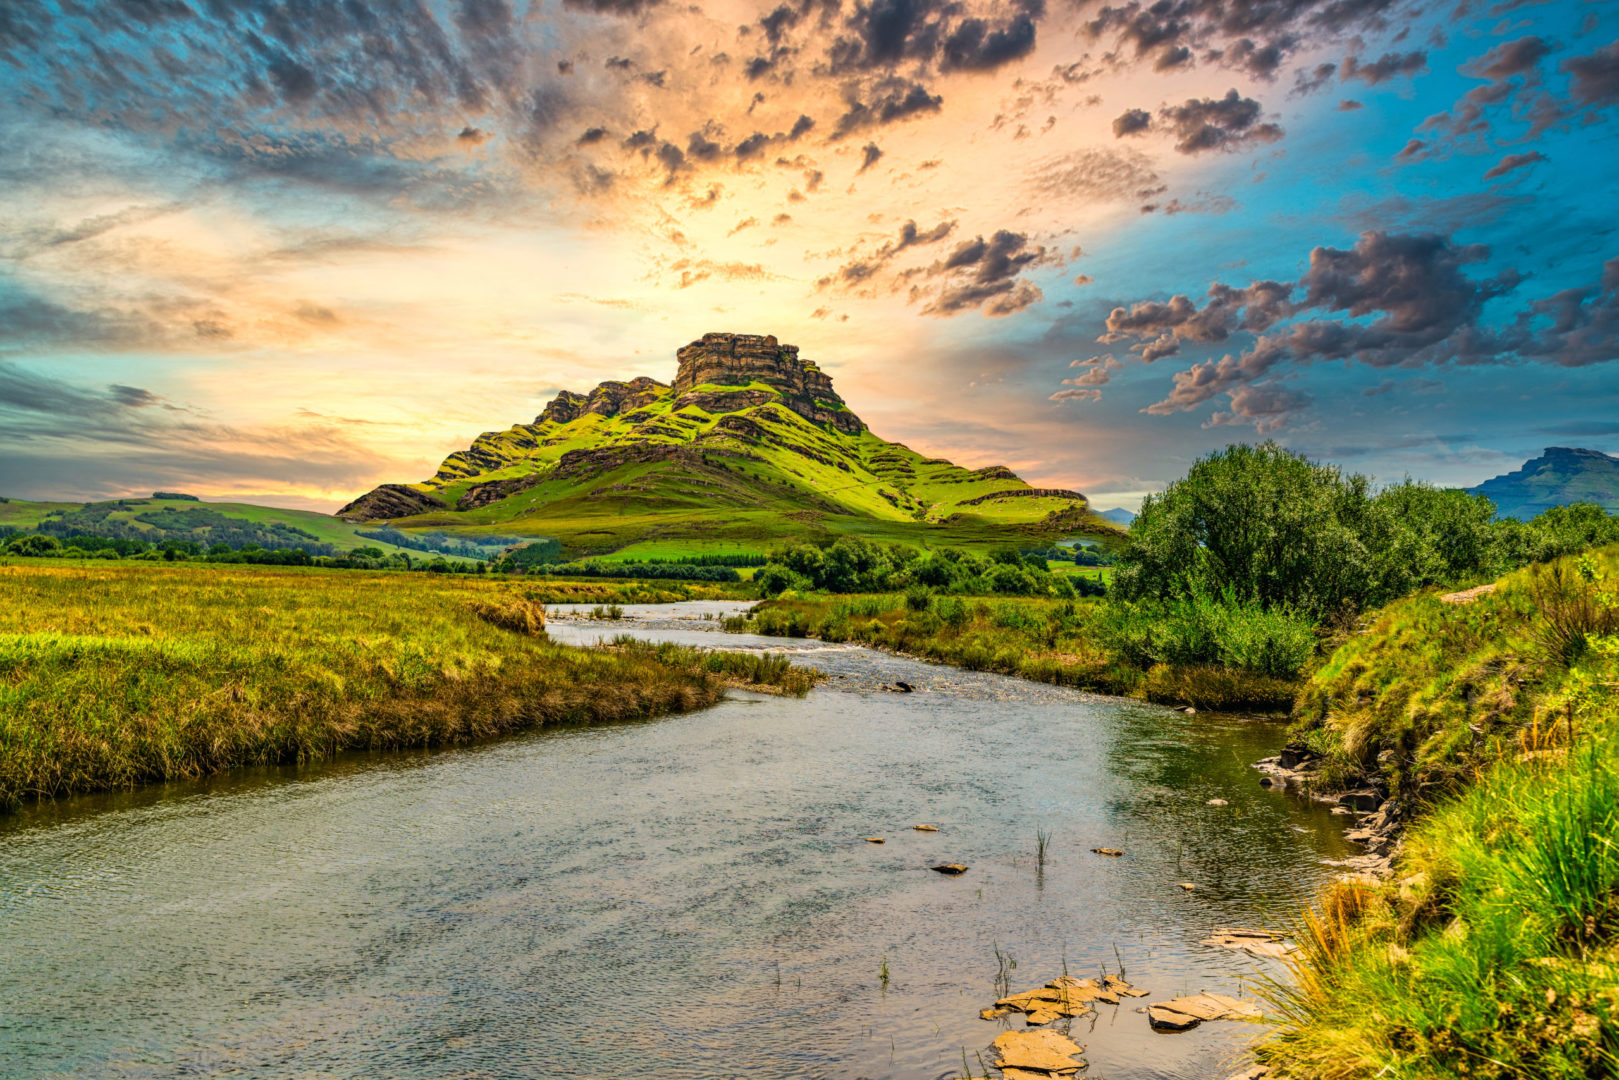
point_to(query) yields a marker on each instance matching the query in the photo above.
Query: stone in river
(1115, 852)
(951, 868)
(1119, 986)
(925, 828)
(992, 1014)
(1257, 942)
(1184, 1013)
(1045, 1051)
(874, 840)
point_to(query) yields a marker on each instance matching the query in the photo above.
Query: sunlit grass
(115, 675)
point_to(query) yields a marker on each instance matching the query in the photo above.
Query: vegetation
(237, 525)
(1262, 525)
(853, 565)
(1495, 950)
(114, 674)
(1055, 641)
(728, 465)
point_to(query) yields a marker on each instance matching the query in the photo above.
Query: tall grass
(1067, 642)
(1494, 950)
(117, 674)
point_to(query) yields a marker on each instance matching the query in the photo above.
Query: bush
(1201, 630)
(918, 598)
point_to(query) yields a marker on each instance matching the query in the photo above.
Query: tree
(1259, 524)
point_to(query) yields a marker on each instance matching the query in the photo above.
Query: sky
(285, 250)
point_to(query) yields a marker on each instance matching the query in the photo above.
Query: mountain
(1118, 515)
(1560, 476)
(749, 445)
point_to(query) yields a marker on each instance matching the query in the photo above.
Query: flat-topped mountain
(1560, 476)
(750, 442)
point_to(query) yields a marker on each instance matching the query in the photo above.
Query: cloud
(1220, 124)
(1387, 67)
(983, 275)
(1512, 162)
(1132, 122)
(1401, 300)
(869, 156)
(1596, 76)
(890, 101)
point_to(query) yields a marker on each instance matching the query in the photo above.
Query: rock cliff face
(1560, 476)
(740, 359)
(390, 501)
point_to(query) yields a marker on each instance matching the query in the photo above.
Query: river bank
(1046, 640)
(115, 675)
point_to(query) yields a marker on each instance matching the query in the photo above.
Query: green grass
(324, 527)
(752, 479)
(1053, 641)
(113, 675)
(1494, 950)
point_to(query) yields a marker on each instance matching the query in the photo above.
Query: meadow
(116, 674)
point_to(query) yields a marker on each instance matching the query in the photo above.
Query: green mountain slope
(749, 445)
(182, 517)
(1558, 477)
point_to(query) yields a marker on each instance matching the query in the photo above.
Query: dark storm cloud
(1399, 300)
(975, 46)
(1386, 67)
(1219, 124)
(611, 7)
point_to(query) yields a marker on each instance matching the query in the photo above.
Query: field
(116, 674)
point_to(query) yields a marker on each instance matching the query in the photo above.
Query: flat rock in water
(925, 828)
(951, 868)
(1119, 986)
(1188, 1012)
(1044, 1051)
(1113, 851)
(874, 840)
(1257, 942)
(1025, 1074)
(993, 1014)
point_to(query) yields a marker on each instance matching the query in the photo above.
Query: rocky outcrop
(390, 501)
(495, 490)
(565, 408)
(1027, 493)
(740, 359)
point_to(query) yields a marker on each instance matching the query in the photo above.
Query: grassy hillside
(1493, 951)
(719, 466)
(113, 675)
(141, 519)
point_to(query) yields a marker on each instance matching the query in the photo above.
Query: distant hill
(1560, 476)
(172, 516)
(749, 446)
(1118, 515)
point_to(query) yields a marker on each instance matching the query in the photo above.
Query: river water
(685, 899)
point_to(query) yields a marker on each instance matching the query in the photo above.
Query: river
(684, 899)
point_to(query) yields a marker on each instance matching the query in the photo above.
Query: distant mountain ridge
(749, 442)
(1560, 476)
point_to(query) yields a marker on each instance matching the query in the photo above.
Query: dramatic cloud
(1512, 162)
(983, 275)
(1406, 300)
(1386, 67)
